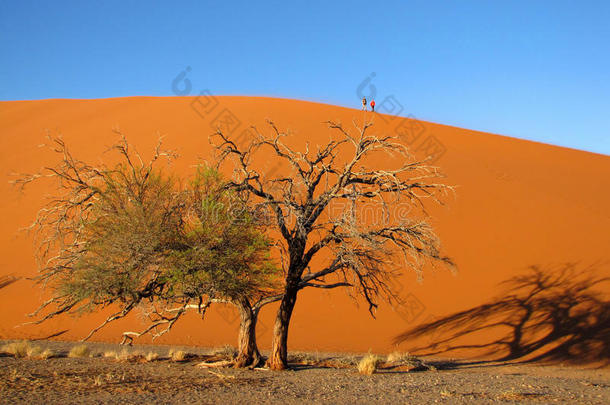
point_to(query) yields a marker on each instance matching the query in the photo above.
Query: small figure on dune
(373, 105)
(363, 103)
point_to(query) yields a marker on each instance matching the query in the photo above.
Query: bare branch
(358, 249)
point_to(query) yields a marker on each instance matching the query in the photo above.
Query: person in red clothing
(373, 105)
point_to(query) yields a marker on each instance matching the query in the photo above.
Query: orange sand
(518, 204)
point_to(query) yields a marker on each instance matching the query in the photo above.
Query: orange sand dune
(518, 204)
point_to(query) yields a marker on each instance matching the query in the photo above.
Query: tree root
(215, 364)
(240, 362)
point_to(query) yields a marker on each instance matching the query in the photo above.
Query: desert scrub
(177, 355)
(407, 362)
(34, 351)
(368, 365)
(126, 355)
(401, 358)
(80, 351)
(151, 356)
(26, 349)
(18, 349)
(46, 354)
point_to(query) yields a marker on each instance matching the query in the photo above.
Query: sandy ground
(99, 380)
(518, 204)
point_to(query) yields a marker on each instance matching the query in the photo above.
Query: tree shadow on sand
(7, 280)
(552, 315)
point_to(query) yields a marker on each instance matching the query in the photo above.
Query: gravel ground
(99, 380)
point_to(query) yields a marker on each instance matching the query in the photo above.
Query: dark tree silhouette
(350, 251)
(552, 314)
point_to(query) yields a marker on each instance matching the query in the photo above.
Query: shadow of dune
(554, 314)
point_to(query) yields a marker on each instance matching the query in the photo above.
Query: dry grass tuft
(400, 358)
(178, 355)
(368, 365)
(126, 356)
(407, 362)
(26, 349)
(79, 351)
(33, 351)
(111, 354)
(152, 356)
(17, 349)
(46, 354)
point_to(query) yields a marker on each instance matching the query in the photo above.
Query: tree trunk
(248, 354)
(278, 360)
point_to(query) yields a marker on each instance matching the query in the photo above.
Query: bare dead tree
(128, 236)
(317, 204)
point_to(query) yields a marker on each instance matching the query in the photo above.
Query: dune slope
(518, 204)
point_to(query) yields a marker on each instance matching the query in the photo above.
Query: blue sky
(537, 70)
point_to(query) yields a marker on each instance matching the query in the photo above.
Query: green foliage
(126, 239)
(227, 254)
(131, 233)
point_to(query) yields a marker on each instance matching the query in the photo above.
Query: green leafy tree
(131, 236)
